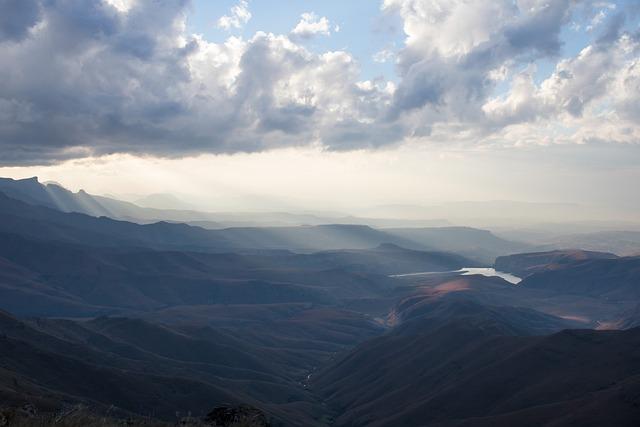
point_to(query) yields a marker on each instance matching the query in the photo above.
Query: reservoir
(489, 272)
(466, 271)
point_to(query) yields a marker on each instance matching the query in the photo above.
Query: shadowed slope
(144, 368)
(523, 265)
(617, 279)
(432, 371)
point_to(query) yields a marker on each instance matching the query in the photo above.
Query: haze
(301, 180)
(231, 106)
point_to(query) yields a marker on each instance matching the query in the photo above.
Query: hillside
(476, 371)
(134, 366)
(617, 279)
(525, 264)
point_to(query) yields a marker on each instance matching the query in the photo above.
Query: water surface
(490, 272)
(467, 271)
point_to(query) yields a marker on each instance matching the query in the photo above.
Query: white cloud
(238, 16)
(311, 24)
(446, 91)
(597, 20)
(519, 104)
(591, 97)
(450, 27)
(121, 5)
(384, 55)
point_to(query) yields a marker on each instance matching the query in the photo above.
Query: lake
(467, 271)
(489, 272)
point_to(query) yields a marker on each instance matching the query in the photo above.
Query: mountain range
(306, 325)
(23, 201)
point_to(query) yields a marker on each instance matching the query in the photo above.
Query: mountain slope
(459, 371)
(616, 279)
(525, 264)
(134, 366)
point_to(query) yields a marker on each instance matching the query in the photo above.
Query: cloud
(17, 18)
(311, 25)
(384, 55)
(591, 83)
(601, 15)
(448, 83)
(238, 16)
(521, 104)
(137, 83)
(127, 77)
(121, 5)
(442, 67)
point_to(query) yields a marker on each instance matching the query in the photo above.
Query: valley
(311, 326)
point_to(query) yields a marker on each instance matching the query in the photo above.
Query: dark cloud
(291, 119)
(539, 31)
(138, 45)
(17, 18)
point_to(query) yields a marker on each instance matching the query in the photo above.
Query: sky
(325, 104)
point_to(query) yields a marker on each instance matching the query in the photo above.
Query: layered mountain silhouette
(477, 244)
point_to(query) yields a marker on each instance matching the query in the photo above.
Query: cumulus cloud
(137, 82)
(443, 67)
(597, 83)
(449, 78)
(238, 16)
(127, 77)
(311, 25)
